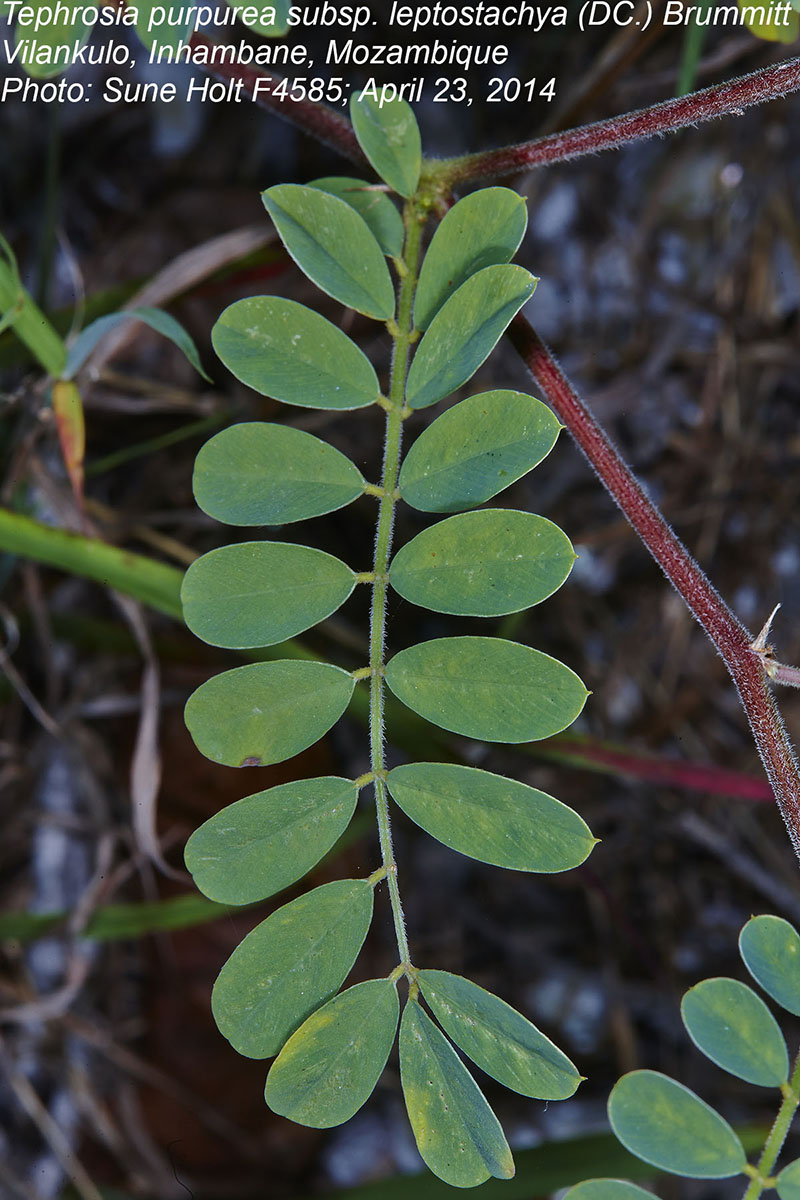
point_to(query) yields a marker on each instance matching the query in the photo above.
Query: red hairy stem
(313, 118)
(770, 83)
(725, 630)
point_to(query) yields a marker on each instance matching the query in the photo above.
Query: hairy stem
(314, 118)
(777, 1136)
(403, 336)
(723, 99)
(724, 629)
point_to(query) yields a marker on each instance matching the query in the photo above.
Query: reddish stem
(770, 83)
(315, 119)
(724, 629)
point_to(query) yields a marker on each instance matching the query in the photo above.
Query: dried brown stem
(727, 633)
(723, 99)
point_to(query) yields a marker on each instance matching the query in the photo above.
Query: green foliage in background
(279, 993)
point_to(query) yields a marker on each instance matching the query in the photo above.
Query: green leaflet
(788, 1182)
(497, 1038)
(483, 564)
(482, 230)
(465, 331)
(266, 712)
(475, 449)
(259, 593)
(59, 33)
(290, 964)
(487, 688)
(333, 246)
(373, 205)
(30, 325)
(735, 1029)
(277, 12)
(667, 1125)
(388, 133)
(770, 948)
(607, 1189)
(331, 1064)
(261, 844)
(261, 474)
(163, 34)
(495, 820)
(285, 350)
(161, 322)
(457, 1134)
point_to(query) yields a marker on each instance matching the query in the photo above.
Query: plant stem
(724, 629)
(777, 1136)
(725, 98)
(403, 337)
(312, 117)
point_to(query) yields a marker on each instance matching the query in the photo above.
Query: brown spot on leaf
(252, 760)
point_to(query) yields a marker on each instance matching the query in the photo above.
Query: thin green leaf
(492, 819)
(266, 712)
(261, 844)
(608, 1189)
(262, 474)
(330, 1066)
(160, 321)
(285, 350)
(62, 35)
(153, 31)
(483, 564)
(465, 331)
(118, 922)
(290, 964)
(667, 1125)
(373, 205)
(735, 1029)
(482, 230)
(333, 246)
(259, 593)
(788, 1182)
(487, 688)
(457, 1134)
(29, 323)
(475, 449)
(497, 1038)
(770, 948)
(388, 133)
(154, 583)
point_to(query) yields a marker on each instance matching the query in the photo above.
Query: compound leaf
(285, 350)
(666, 1124)
(475, 449)
(457, 1134)
(388, 133)
(264, 842)
(373, 205)
(331, 1064)
(290, 964)
(487, 688)
(481, 230)
(770, 948)
(266, 712)
(465, 331)
(259, 593)
(256, 473)
(608, 1189)
(492, 819)
(735, 1029)
(788, 1182)
(483, 564)
(333, 246)
(497, 1038)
